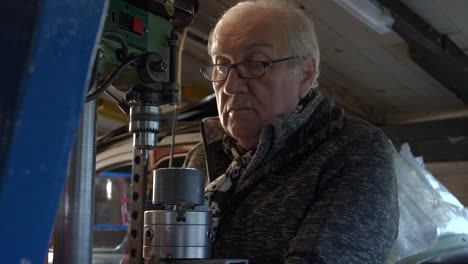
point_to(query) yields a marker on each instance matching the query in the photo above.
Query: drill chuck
(144, 124)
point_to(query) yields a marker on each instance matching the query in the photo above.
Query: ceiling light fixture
(370, 12)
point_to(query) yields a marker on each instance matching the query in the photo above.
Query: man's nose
(234, 84)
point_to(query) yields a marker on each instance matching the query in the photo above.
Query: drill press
(143, 36)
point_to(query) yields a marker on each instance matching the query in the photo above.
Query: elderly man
(292, 179)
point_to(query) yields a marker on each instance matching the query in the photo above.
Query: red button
(137, 25)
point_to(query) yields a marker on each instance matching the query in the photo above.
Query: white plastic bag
(428, 210)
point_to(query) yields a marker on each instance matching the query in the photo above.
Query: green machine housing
(134, 28)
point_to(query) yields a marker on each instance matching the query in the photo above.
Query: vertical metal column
(49, 48)
(139, 188)
(74, 227)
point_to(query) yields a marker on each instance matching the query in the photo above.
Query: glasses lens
(251, 69)
(215, 73)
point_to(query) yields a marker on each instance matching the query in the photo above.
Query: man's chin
(246, 135)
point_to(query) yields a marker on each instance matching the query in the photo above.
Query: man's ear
(308, 76)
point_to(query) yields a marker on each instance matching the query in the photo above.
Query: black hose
(124, 53)
(111, 79)
(121, 40)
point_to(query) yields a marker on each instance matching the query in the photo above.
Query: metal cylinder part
(144, 140)
(74, 225)
(144, 124)
(174, 186)
(167, 238)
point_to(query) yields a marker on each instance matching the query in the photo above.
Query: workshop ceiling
(371, 75)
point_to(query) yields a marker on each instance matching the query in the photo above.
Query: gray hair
(302, 38)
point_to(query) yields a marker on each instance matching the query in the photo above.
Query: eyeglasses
(245, 70)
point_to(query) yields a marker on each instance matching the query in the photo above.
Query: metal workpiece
(144, 124)
(201, 261)
(166, 217)
(174, 186)
(166, 237)
(74, 224)
(175, 252)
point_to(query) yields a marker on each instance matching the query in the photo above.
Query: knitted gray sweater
(321, 188)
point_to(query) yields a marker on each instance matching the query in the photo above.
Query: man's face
(245, 106)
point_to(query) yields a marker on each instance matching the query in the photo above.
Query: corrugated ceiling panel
(361, 78)
(457, 12)
(329, 39)
(417, 88)
(431, 12)
(387, 81)
(448, 17)
(347, 93)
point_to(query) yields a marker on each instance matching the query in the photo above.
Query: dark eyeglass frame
(265, 64)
